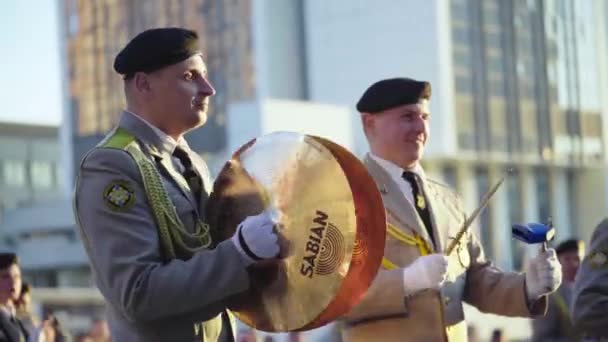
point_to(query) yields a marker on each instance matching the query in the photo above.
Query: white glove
(426, 272)
(543, 274)
(255, 238)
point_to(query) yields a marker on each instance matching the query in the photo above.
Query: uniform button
(446, 300)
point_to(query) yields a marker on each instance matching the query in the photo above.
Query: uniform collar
(151, 134)
(395, 171)
(8, 310)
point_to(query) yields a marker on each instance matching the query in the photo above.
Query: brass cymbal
(371, 236)
(330, 220)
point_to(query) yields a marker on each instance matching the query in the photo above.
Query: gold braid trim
(171, 229)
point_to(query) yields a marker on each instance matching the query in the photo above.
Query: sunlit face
(399, 134)
(10, 284)
(179, 95)
(570, 262)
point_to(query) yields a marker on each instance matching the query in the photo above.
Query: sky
(30, 69)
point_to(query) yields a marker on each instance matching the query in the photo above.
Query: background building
(29, 164)
(94, 33)
(29, 169)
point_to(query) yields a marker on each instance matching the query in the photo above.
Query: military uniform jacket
(387, 314)
(556, 325)
(589, 310)
(149, 298)
(12, 329)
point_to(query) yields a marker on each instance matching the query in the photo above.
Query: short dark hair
(25, 287)
(7, 259)
(570, 245)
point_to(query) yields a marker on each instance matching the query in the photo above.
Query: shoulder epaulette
(119, 139)
(444, 186)
(436, 182)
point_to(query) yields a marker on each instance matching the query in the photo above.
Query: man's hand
(256, 239)
(426, 272)
(543, 275)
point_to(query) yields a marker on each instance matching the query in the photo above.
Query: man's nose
(418, 124)
(205, 88)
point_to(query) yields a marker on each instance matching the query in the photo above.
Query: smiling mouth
(199, 104)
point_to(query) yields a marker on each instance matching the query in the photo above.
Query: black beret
(571, 245)
(154, 49)
(7, 259)
(391, 93)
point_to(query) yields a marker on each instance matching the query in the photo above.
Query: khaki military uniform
(150, 296)
(387, 314)
(589, 310)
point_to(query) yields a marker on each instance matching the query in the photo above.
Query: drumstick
(467, 223)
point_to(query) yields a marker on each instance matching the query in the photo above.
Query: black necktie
(190, 174)
(420, 203)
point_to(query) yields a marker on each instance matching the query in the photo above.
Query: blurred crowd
(18, 321)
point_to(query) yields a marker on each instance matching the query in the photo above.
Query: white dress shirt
(396, 174)
(168, 142)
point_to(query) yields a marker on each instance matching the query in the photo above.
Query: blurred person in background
(11, 328)
(140, 202)
(589, 311)
(295, 336)
(52, 331)
(498, 336)
(24, 311)
(246, 335)
(83, 337)
(472, 333)
(100, 332)
(556, 324)
(419, 292)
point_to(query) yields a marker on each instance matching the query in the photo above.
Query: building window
(514, 203)
(459, 11)
(41, 278)
(73, 20)
(462, 57)
(461, 35)
(75, 277)
(450, 176)
(14, 173)
(544, 194)
(571, 193)
(492, 39)
(497, 88)
(42, 175)
(483, 185)
(496, 64)
(464, 85)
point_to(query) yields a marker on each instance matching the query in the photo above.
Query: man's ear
(367, 120)
(142, 82)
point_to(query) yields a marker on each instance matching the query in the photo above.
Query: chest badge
(420, 202)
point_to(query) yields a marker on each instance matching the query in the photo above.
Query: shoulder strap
(120, 139)
(411, 240)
